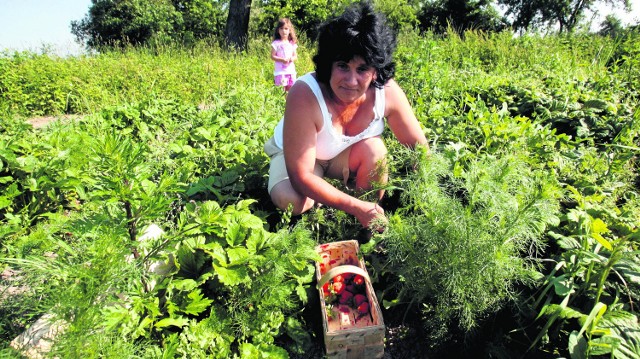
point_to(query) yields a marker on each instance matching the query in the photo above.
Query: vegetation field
(143, 226)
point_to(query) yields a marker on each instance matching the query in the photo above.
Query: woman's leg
(368, 161)
(365, 160)
(282, 192)
(283, 195)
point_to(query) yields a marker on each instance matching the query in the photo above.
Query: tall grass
(40, 84)
(429, 68)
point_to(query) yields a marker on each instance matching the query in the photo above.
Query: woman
(334, 118)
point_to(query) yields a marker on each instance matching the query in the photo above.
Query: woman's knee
(283, 196)
(368, 153)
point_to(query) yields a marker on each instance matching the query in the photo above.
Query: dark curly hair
(359, 31)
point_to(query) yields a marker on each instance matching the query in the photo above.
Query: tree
(237, 28)
(137, 22)
(566, 14)
(611, 26)
(122, 22)
(461, 15)
(305, 15)
(200, 19)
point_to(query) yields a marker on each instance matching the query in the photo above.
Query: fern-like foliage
(465, 236)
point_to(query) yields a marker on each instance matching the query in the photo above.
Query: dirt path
(39, 122)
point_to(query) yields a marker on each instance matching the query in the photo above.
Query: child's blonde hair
(292, 34)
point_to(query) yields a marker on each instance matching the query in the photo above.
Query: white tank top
(329, 142)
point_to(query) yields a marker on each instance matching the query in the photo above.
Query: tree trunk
(237, 29)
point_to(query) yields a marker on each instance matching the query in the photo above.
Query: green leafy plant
(581, 280)
(465, 236)
(229, 284)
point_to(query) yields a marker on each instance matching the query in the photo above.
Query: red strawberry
(359, 299)
(338, 287)
(345, 297)
(338, 278)
(325, 289)
(358, 280)
(363, 308)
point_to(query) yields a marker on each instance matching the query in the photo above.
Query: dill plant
(467, 234)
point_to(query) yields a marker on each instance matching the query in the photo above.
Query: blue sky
(32, 24)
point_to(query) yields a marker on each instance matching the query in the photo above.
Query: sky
(33, 24)
(36, 24)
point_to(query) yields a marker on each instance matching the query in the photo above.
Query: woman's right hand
(371, 214)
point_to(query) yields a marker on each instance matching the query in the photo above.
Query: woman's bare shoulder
(302, 104)
(300, 93)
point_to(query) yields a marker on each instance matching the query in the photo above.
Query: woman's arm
(401, 118)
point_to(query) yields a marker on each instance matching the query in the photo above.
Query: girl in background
(284, 53)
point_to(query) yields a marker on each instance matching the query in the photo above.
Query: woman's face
(350, 80)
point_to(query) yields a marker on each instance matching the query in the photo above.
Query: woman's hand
(371, 215)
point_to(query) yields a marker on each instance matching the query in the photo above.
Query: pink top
(330, 142)
(284, 49)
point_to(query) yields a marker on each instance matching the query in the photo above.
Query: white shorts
(337, 167)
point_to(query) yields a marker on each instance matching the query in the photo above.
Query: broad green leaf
(189, 262)
(257, 240)
(562, 285)
(235, 234)
(296, 331)
(302, 293)
(574, 216)
(577, 346)
(262, 351)
(605, 243)
(248, 220)
(217, 253)
(596, 104)
(272, 352)
(249, 351)
(143, 328)
(233, 275)
(629, 269)
(244, 205)
(184, 285)
(118, 316)
(238, 256)
(198, 303)
(603, 345)
(210, 212)
(148, 187)
(596, 313)
(598, 226)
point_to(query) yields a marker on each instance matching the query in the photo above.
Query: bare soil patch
(39, 122)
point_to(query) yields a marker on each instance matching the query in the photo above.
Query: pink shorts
(284, 80)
